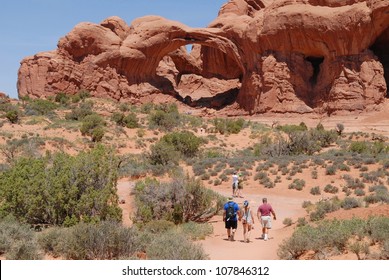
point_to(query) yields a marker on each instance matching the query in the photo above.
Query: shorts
(266, 221)
(231, 224)
(234, 185)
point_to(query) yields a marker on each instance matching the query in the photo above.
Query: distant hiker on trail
(235, 183)
(247, 221)
(239, 191)
(230, 217)
(264, 217)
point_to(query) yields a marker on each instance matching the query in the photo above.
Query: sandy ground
(286, 203)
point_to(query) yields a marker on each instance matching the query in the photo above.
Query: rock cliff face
(265, 56)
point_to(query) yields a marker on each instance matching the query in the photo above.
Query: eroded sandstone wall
(277, 56)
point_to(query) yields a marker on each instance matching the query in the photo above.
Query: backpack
(230, 213)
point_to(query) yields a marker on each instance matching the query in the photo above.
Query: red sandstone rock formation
(267, 56)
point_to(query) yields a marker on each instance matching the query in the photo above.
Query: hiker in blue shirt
(231, 216)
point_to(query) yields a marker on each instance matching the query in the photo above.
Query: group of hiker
(233, 214)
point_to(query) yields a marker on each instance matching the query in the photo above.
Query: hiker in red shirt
(264, 217)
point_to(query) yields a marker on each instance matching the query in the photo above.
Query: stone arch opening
(202, 75)
(380, 49)
(315, 61)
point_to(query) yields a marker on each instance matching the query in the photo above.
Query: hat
(230, 198)
(245, 203)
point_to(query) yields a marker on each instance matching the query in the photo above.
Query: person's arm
(258, 215)
(274, 214)
(224, 215)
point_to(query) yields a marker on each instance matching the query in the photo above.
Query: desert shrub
(315, 190)
(60, 189)
(350, 202)
(378, 227)
(306, 204)
(324, 207)
(297, 184)
(134, 166)
(182, 200)
(165, 117)
(359, 248)
(354, 183)
(62, 98)
(290, 128)
(82, 94)
(217, 182)
(105, 241)
(158, 226)
(287, 222)
(39, 107)
(174, 246)
(331, 189)
(92, 125)
(301, 222)
(339, 128)
(17, 241)
(163, 154)
(118, 118)
(299, 243)
(196, 231)
(331, 170)
(184, 142)
(232, 126)
(80, 112)
(50, 239)
(359, 192)
(327, 236)
(131, 121)
(317, 215)
(146, 108)
(13, 116)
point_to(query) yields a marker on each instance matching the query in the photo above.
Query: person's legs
(244, 231)
(267, 226)
(248, 232)
(229, 233)
(234, 227)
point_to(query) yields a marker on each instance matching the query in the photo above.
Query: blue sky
(31, 26)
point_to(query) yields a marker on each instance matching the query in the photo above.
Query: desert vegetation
(61, 160)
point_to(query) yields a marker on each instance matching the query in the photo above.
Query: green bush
(182, 200)
(231, 126)
(331, 170)
(130, 121)
(61, 189)
(287, 222)
(326, 237)
(13, 116)
(92, 125)
(315, 190)
(40, 107)
(174, 246)
(80, 112)
(350, 202)
(17, 241)
(103, 241)
(298, 184)
(62, 98)
(331, 189)
(184, 142)
(196, 231)
(163, 154)
(165, 116)
(290, 128)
